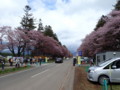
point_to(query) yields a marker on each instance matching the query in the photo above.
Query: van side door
(115, 73)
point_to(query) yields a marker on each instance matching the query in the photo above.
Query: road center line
(39, 73)
(65, 79)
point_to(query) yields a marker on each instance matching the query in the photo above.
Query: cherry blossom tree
(2, 34)
(15, 40)
(45, 45)
(19, 42)
(105, 38)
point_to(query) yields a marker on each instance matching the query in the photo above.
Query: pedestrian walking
(74, 61)
(31, 61)
(21, 61)
(40, 60)
(3, 64)
(11, 61)
(91, 62)
(17, 65)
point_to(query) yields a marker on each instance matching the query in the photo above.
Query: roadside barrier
(87, 68)
(104, 86)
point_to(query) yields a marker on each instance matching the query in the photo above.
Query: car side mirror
(114, 67)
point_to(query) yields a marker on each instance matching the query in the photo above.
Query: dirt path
(81, 82)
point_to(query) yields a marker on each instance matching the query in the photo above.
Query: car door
(115, 72)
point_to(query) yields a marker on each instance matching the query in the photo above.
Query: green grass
(114, 87)
(51, 61)
(4, 65)
(85, 68)
(9, 70)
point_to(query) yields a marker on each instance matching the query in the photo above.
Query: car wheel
(102, 78)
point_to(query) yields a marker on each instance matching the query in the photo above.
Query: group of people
(33, 60)
(75, 61)
(20, 61)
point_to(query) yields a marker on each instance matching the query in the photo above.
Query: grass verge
(10, 70)
(51, 61)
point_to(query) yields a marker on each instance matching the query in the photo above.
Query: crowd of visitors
(20, 61)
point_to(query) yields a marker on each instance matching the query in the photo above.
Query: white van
(109, 70)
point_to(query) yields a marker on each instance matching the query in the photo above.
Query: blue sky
(50, 4)
(71, 20)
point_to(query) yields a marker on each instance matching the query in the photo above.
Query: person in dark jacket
(3, 64)
(74, 61)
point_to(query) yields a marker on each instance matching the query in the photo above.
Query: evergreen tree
(49, 32)
(103, 18)
(28, 20)
(55, 37)
(101, 22)
(117, 6)
(40, 26)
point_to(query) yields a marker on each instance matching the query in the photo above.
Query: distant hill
(73, 51)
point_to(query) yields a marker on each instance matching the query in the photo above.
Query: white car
(109, 70)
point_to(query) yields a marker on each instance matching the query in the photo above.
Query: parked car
(109, 70)
(59, 60)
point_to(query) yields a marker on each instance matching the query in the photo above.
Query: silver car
(109, 70)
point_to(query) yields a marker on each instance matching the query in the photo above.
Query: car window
(115, 63)
(109, 66)
(118, 64)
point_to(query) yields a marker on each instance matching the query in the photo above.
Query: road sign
(79, 53)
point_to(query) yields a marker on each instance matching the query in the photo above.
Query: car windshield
(104, 63)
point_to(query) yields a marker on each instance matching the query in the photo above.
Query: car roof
(114, 59)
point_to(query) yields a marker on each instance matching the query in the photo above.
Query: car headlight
(92, 71)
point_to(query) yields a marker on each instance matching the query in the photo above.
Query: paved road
(47, 77)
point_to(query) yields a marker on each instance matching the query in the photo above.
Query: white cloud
(11, 12)
(72, 20)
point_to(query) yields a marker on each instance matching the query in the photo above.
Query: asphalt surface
(46, 77)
